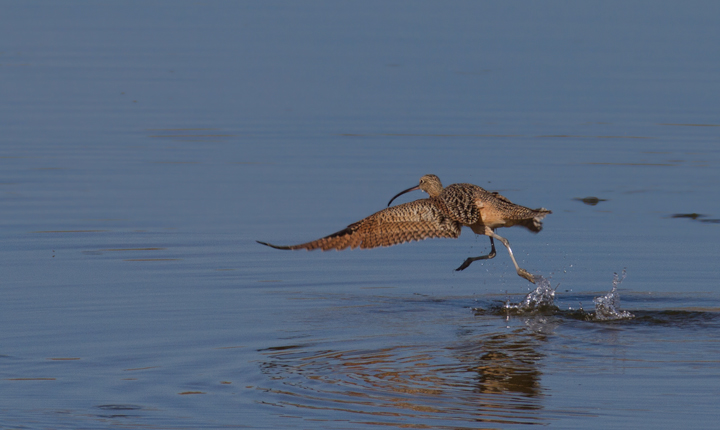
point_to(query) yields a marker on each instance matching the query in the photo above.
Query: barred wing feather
(417, 220)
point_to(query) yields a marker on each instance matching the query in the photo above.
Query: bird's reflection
(506, 362)
(489, 378)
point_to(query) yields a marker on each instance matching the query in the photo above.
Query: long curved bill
(416, 187)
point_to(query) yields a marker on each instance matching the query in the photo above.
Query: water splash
(607, 307)
(541, 298)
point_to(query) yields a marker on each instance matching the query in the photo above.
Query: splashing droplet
(607, 307)
(542, 297)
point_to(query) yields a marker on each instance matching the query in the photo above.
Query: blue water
(146, 146)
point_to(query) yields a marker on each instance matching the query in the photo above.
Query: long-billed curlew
(443, 214)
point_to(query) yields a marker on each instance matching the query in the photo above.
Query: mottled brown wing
(459, 202)
(416, 220)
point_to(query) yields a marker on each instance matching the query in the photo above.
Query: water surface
(145, 148)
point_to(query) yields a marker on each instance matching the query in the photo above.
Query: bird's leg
(482, 257)
(520, 271)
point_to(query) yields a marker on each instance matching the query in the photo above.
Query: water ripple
(490, 380)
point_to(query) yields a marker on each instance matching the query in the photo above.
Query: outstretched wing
(416, 220)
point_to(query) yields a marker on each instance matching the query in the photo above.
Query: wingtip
(271, 245)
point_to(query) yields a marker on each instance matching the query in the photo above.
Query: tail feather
(534, 224)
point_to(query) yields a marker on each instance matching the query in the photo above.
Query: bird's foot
(525, 274)
(465, 264)
(469, 261)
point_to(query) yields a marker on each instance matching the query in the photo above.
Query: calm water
(146, 146)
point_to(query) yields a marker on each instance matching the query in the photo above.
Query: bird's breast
(492, 218)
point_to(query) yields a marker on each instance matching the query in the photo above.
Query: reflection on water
(493, 378)
(491, 372)
(506, 363)
(140, 158)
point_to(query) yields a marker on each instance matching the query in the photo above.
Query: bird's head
(429, 183)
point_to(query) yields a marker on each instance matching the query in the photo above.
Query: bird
(442, 214)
